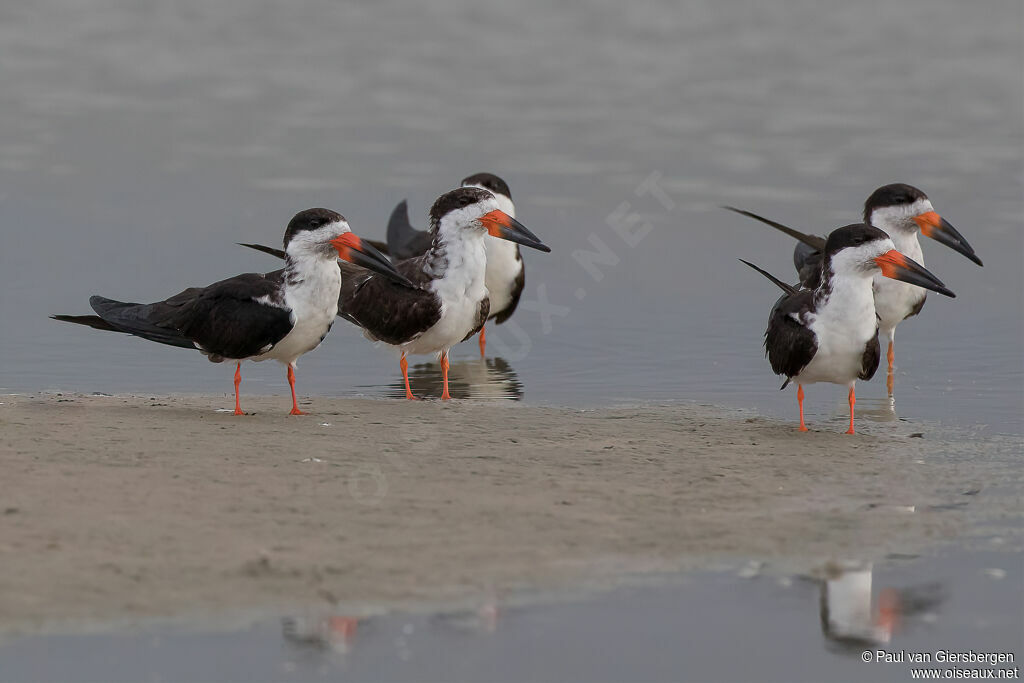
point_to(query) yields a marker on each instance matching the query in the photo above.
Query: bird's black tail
(149, 321)
(788, 289)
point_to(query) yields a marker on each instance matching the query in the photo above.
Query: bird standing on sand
(279, 315)
(830, 333)
(449, 302)
(901, 211)
(505, 274)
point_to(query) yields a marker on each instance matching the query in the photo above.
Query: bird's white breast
(894, 299)
(843, 325)
(313, 301)
(460, 292)
(503, 267)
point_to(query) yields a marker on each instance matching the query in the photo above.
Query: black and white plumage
(830, 333)
(254, 316)
(449, 300)
(452, 302)
(506, 273)
(901, 211)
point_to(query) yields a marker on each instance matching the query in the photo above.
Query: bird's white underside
(845, 321)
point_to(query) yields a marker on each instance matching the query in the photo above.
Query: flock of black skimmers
(442, 285)
(441, 288)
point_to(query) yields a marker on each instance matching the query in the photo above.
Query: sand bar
(129, 506)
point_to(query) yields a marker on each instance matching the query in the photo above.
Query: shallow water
(140, 140)
(731, 625)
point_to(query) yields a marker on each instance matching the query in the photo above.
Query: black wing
(788, 289)
(149, 321)
(279, 253)
(869, 361)
(222, 320)
(481, 317)
(806, 256)
(405, 241)
(226, 320)
(389, 312)
(807, 261)
(517, 291)
(788, 343)
(917, 307)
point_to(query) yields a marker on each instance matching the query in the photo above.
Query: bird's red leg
(445, 396)
(853, 399)
(890, 380)
(800, 400)
(483, 341)
(291, 381)
(405, 373)
(238, 380)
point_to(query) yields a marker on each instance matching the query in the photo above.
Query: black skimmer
(830, 333)
(506, 274)
(901, 211)
(279, 315)
(449, 302)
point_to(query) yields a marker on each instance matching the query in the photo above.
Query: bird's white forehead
(324, 233)
(885, 216)
(466, 216)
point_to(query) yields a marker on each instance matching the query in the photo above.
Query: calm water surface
(140, 140)
(728, 626)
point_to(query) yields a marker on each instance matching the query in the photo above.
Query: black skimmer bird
(506, 274)
(450, 301)
(279, 315)
(830, 333)
(901, 211)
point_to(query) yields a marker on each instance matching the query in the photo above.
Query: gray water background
(139, 140)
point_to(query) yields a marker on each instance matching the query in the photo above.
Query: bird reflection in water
(481, 618)
(851, 620)
(491, 378)
(877, 409)
(329, 637)
(333, 633)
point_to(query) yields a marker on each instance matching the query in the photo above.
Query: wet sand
(126, 506)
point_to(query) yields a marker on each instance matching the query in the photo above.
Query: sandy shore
(132, 506)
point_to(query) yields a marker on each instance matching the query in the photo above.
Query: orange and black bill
(352, 248)
(899, 267)
(500, 224)
(938, 228)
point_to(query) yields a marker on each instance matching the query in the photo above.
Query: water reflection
(649, 632)
(483, 618)
(331, 633)
(491, 378)
(852, 619)
(335, 634)
(877, 409)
